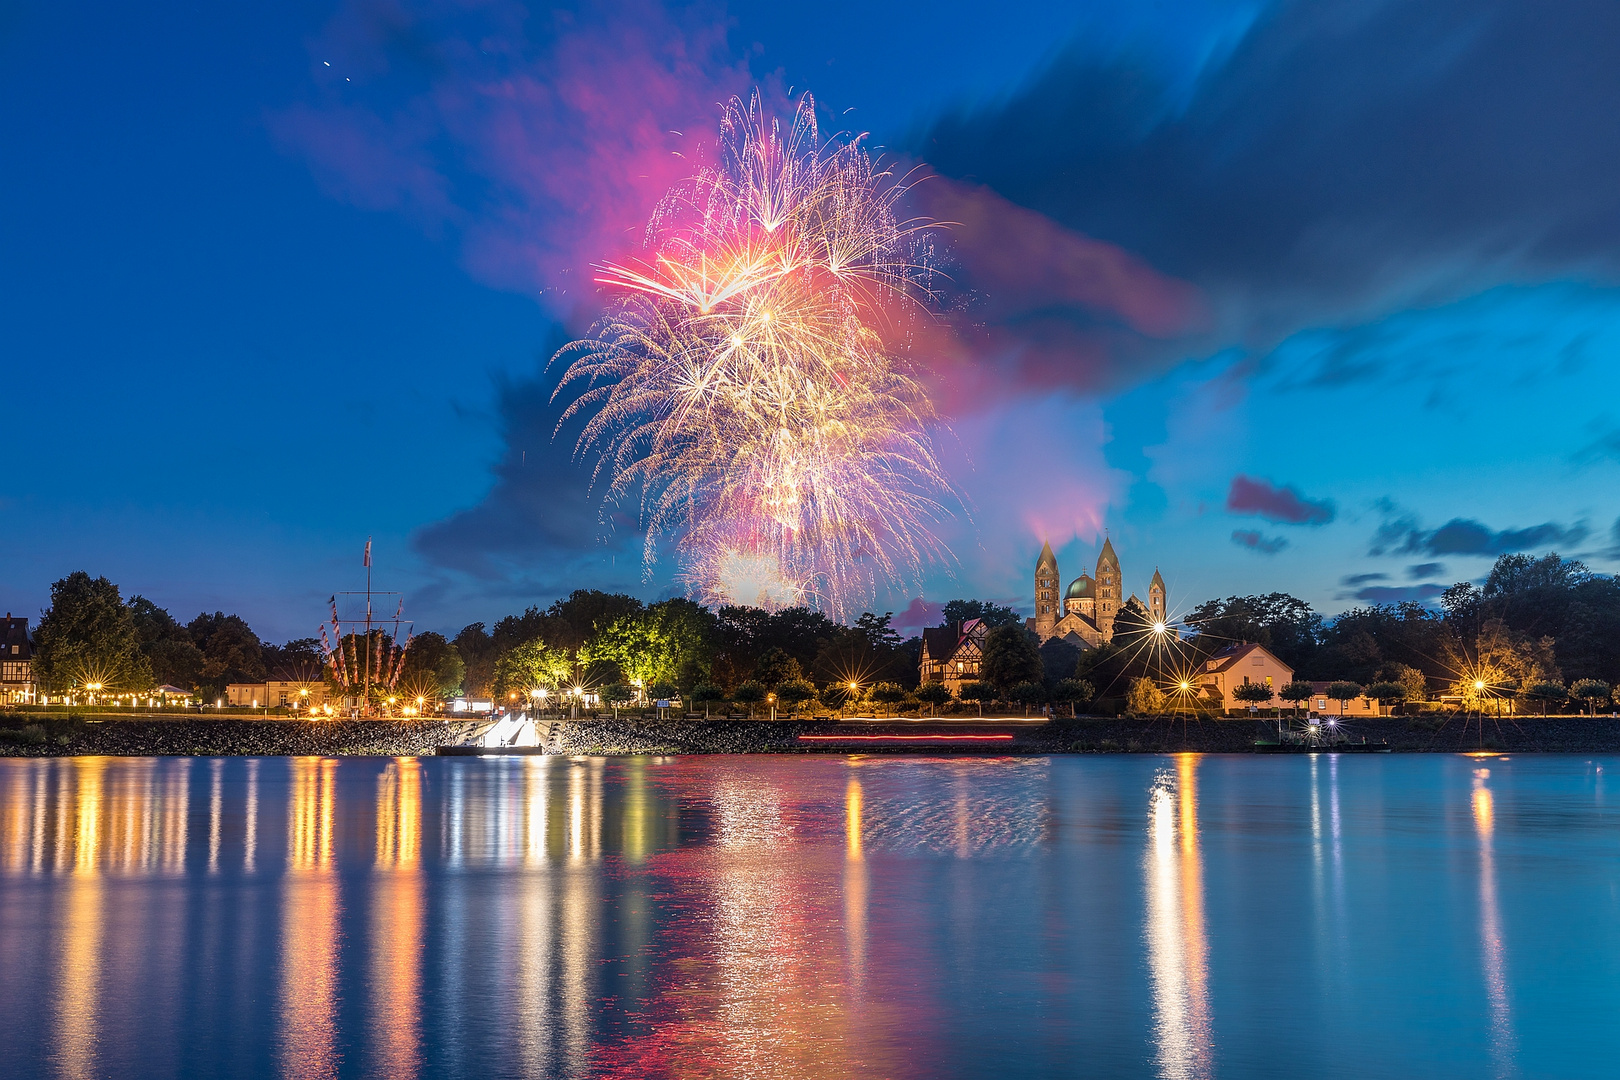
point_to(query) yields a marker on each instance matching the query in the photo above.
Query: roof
(1228, 657)
(1081, 587)
(1157, 580)
(1107, 554)
(940, 643)
(1047, 558)
(14, 631)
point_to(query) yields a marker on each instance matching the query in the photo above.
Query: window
(1268, 680)
(15, 649)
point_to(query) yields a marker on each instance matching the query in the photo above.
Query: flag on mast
(368, 551)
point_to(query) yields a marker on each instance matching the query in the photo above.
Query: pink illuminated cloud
(546, 139)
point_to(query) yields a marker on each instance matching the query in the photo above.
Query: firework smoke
(741, 390)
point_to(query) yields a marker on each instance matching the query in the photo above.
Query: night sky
(1314, 297)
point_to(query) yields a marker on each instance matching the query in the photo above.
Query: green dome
(1081, 588)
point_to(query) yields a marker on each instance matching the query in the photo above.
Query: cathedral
(1084, 613)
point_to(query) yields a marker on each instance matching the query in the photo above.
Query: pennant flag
(368, 551)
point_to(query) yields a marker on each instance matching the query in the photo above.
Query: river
(776, 916)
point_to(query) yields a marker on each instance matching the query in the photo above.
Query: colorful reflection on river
(859, 916)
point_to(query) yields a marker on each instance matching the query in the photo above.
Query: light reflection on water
(863, 916)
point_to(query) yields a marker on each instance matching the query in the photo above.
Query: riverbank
(1081, 736)
(31, 737)
(57, 736)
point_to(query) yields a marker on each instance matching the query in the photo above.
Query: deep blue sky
(274, 280)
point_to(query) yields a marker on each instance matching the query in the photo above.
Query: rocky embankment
(33, 736)
(1085, 735)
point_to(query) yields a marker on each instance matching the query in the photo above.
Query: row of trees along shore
(1537, 634)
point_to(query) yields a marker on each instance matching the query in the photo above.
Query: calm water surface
(777, 917)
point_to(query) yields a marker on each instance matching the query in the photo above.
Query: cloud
(1296, 191)
(1423, 570)
(1398, 594)
(918, 615)
(1284, 505)
(1362, 579)
(1035, 306)
(1255, 542)
(542, 139)
(1464, 536)
(542, 521)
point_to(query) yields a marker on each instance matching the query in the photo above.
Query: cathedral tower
(1046, 592)
(1156, 597)
(1108, 585)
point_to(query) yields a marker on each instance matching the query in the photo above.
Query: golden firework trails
(740, 388)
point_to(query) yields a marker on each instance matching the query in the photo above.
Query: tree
(1010, 658)
(531, 666)
(1144, 698)
(888, 693)
(750, 694)
(1029, 694)
(1387, 693)
(666, 642)
(706, 693)
(992, 615)
(1547, 693)
(1253, 693)
(776, 667)
(935, 694)
(978, 692)
(232, 652)
(1283, 624)
(433, 662)
(1296, 692)
(616, 694)
(1343, 692)
(795, 693)
(86, 636)
(1591, 691)
(174, 658)
(478, 653)
(1074, 691)
(578, 615)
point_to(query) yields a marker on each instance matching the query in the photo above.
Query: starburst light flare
(743, 387)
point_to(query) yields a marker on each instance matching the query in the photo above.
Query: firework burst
(742, 387)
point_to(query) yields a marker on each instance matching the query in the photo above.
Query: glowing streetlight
(1159, 628)
(1479, 684)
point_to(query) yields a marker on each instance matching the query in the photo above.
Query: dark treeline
(1537, 628)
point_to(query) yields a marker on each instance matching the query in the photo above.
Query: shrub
(1145, 698)
(749, 693)
(1253, 693)
(1591, 691)
(1343, 692)
(979, 692)
(27, 735)
(888, 693)
(1387, 693)
(1028, 694)
(933, 693)
(705, 694)
(1547, 693)
(794, 693)
(1074, 691)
